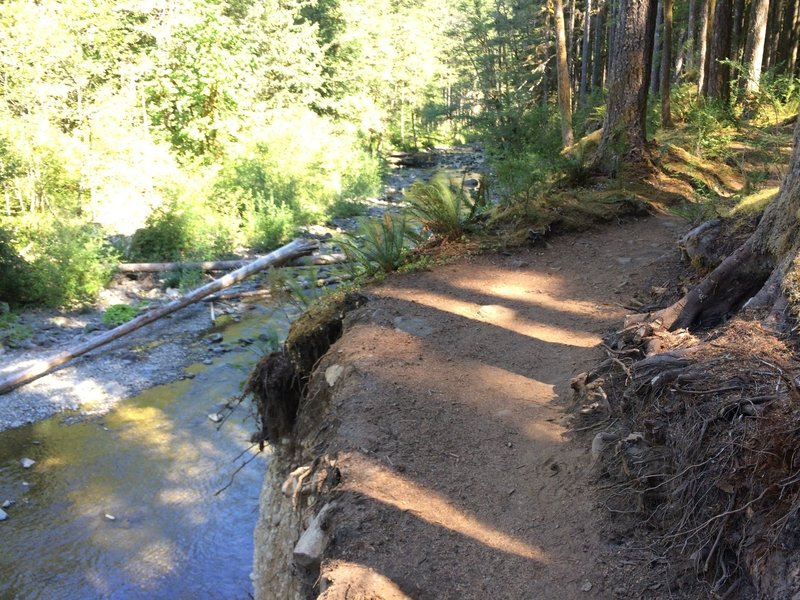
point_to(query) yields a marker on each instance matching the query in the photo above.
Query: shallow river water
(125, 506)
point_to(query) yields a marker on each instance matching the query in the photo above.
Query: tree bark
(280, 256)
(655, 70)
(773, 31)
(749, 271)
(754, 47)
(736, 30)
(666, 66)
(585, 56)
(597, 45)
(705, 16)
(685, 57)
(624, 138)
(719, 52)
(612, 36)
(562, 72)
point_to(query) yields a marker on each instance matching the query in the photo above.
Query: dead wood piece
(278, 257)
(226, 265)
(658, 370)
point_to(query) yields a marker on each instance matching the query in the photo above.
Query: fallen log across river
(279, 257)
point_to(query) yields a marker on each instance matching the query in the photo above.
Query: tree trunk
(773, 34)
(597, 46)
(754, 47)
(736, 31)
(666, 66)
(719, 52)
(748, 272)
(787, 30)
(612, 36)
(655, 69)
(624, 137)
(570, 42)
(705, 15)
(587, 36)
(687, 47)
(278, 257)
(562, 72)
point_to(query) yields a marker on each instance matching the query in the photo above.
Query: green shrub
(66, 263)
(440, 206)
(12, 329)
(521, 177)
(12, 268)
(117, 314)
(379, 245)
(182, 231)
(270, 227)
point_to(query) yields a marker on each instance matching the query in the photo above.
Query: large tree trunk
(754, 47)
(587, 36)
(624, 137)
(562, 71)
(719, 52)
(705, 16)
(666, 66)
(748, 272)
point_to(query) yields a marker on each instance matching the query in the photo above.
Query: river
(125, 505)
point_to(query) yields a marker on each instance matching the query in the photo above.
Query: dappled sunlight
(380, 483)
(500, 316)
(543, 430)
(344, 575)
(540, 297)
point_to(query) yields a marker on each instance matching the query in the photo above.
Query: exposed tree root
(706, 447)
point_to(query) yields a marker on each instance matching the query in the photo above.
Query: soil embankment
(436, 437)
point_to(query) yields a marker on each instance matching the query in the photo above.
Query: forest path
(452, 435)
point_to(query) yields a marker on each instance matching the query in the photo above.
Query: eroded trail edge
(431, 456)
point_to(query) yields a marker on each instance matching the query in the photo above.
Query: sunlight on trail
(384, 485)
(500, 316)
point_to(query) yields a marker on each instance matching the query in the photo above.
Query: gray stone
(215, 338)
(6, 504)
(215, 417)
(3, 515)
(333, 373)
(414, 326)
(310, 548)
(27, 463)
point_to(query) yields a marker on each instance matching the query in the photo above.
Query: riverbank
(432, 457)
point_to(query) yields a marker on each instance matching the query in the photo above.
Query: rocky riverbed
(160, 352)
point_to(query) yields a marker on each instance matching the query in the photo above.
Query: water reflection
(124, 506)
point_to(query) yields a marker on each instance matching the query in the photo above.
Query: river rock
(27, 463)
(3, 515)
(6, 504)
(333, 373)
(215, 417)
(215, 338)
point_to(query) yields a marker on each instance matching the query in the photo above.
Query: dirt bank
(436, 439)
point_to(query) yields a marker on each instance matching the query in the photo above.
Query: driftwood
(240, 294)
(226, 265)
(279, 257)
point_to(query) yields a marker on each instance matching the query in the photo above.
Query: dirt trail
(460, 478)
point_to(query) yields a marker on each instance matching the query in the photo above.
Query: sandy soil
(460, 477)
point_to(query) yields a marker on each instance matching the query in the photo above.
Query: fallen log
(279, 257)
(226, 265)
(239, 294)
